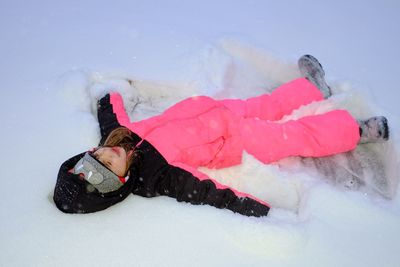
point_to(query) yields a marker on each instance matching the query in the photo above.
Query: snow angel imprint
(161, 155)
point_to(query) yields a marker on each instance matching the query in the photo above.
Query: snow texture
(59, 58)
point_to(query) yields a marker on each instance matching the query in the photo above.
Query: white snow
(58, 57)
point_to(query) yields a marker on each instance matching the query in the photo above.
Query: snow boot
(312, 70)
(374, 130)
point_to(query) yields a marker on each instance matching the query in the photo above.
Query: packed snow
(59, 58)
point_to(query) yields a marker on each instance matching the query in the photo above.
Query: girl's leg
(313, 136)
(282, 101)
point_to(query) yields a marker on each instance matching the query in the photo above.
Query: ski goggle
(93, 171)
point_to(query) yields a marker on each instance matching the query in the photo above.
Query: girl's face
(114, 158)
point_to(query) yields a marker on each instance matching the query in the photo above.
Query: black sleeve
(108, 120)
(74, 195)
(183, 186)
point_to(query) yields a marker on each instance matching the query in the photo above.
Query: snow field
(57, 58)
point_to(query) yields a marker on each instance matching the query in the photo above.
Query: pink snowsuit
(204, 132)
(201, 131)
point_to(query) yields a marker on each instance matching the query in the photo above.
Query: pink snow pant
(312, 136)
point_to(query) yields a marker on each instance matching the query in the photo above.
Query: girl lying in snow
(160, 155)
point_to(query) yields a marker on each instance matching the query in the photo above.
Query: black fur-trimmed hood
(72, 194)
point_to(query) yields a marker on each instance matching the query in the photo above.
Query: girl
(160, 155)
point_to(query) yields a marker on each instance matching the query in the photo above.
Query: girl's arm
(190, 185)
(106, 117)
(107, 109)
